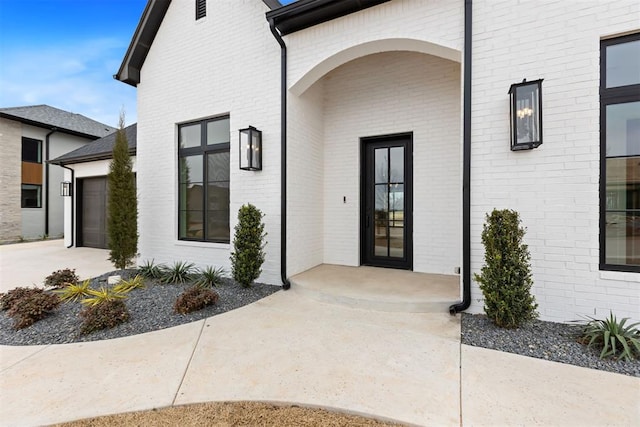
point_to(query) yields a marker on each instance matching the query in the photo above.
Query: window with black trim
(203, 171)
(201, 9)
(620, 153)
(31, 150)
(31, 196)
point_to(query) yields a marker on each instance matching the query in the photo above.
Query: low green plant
(73, 292)
(195, 298)
(179, 272)
(150, 270)
(29, 307)
(101, 296)
(505, 278)
(613, 337)
(209, 276)
(248, 245)
(61, 278)
(108, 314)
(125, 286)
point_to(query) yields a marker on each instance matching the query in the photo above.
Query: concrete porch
(381, 289)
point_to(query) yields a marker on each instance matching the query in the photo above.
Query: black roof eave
(48, 126)
(87, 158)
(307, 13)
(146, 31)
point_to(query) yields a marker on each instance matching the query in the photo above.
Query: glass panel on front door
(389, 202)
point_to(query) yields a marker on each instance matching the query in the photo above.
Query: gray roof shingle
(64, 121)
(99, 149)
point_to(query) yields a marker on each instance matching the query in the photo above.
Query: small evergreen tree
(248, 246)
(122, 218)
(505, 279)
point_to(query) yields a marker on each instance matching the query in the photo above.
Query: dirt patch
(230, 414)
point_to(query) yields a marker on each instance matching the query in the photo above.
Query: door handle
(368, 221)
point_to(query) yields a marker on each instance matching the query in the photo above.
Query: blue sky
(64, 53)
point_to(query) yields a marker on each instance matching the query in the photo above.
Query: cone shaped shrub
(248, 245)
(505, 279)
(122, 215)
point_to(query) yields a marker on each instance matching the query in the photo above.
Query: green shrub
(505, 279)
(101, 296)
(128, 285)
(31, 306)
(61, 278)
(73, 292)
(195, 298)
(209, 276)
(248, 246)
(613, 337)
(150, 270)
(107, 314)
(122, 217)
(179, 272)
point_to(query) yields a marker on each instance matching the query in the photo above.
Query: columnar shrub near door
(248, 246)
(505, 279)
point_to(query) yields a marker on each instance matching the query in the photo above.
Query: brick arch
(368, 48)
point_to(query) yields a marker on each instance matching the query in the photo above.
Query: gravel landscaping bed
(543, 340)
(150, 309)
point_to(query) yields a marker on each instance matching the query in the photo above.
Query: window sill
(624, 276)
(208, 245)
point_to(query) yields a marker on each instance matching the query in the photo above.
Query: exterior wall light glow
(250, 149)
(66, 190)
(526, 115)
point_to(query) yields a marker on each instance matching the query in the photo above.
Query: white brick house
(392, 137)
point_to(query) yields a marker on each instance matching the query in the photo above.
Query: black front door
(387, 202)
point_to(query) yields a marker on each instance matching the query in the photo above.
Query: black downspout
(283, 155)
(466, 169)
(46, 185)
(73, 192)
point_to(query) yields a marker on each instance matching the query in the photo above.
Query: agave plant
(612, 336)
(209, 276)
(125, 286)
(74, 291)
(179, 272)
(150, 270)
(98, 296)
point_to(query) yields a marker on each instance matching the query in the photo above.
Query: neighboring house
(85, 211)
(391, 137)
(31, 206)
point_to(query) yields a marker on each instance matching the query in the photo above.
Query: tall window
(31, 173)
(620, 154)
(203, 170)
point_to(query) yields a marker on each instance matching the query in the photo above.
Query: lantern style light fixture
(66, 190)
(526, 114)
(250, 149)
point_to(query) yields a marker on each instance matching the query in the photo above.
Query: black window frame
(39, 199)
(32, 140)
(203, 149)
(611, 96)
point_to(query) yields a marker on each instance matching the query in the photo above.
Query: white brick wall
(555, 187)
(10, 179)
(199, 69)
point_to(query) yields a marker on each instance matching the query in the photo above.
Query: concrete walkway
(27, 264)
(292, 348)
(408, 367)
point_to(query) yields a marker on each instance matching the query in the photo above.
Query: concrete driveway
(26, 264)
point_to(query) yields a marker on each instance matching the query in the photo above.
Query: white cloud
(77, 77)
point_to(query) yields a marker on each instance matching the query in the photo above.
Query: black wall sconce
(66, 190)
(526, 115)
(250, 149)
